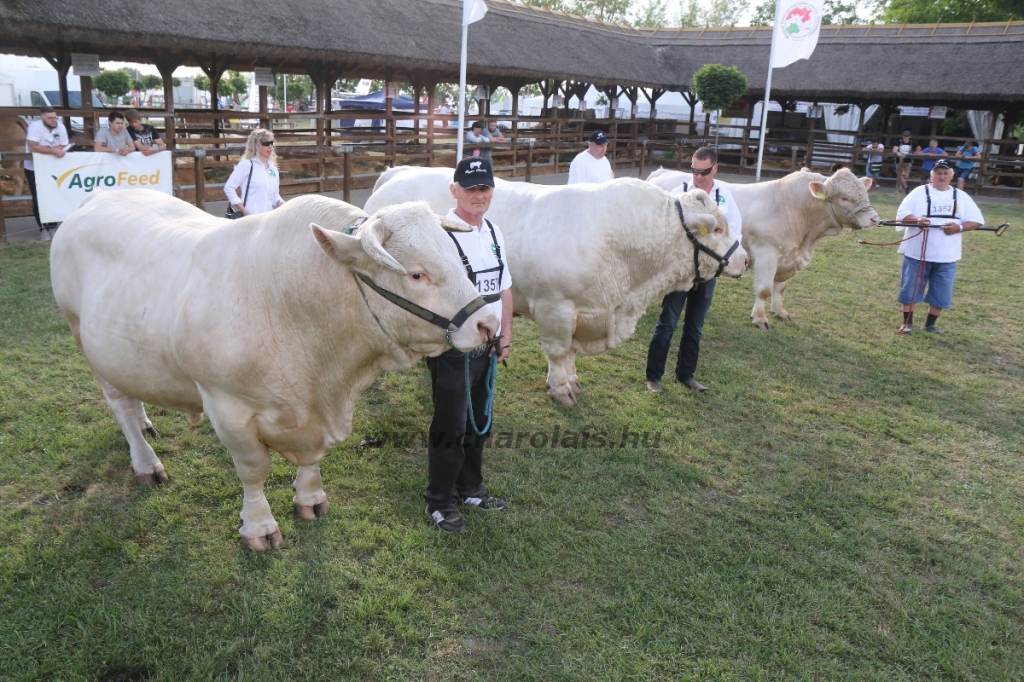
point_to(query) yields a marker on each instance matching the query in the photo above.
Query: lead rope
(919, 277)
(491, 381)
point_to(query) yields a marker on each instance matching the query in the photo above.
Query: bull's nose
(487, 328)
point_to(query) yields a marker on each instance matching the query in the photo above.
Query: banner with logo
(797, 25)
(62, 184)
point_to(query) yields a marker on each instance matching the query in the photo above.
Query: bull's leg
(237, 431)
(570, 373)
(555, 326)
(310, 499)
(764, 278)
(777, 308)
(131, 417)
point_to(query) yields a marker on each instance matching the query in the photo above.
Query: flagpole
(767, 95)
(462, 94)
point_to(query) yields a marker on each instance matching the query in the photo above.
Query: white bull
(258, 322)
(586, 260)
(783, 221)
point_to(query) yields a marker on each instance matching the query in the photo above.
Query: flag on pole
(473, 11)
(797, 25)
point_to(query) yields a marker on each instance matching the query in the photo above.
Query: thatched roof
(418, 40)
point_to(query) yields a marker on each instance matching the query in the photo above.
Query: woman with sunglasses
(255, 184)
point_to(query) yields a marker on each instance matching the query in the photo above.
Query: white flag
(797, 25)
(472, 11)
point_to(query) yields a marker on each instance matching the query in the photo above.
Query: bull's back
(117, 267)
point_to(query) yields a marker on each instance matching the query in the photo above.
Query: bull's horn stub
(453, 225)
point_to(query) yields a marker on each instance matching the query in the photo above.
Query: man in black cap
(457, 433)
(591, 165)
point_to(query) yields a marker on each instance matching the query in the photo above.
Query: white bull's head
(404, 250)
(847, 197)
(710, 227)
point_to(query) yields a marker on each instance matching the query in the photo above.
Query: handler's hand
(951, 228)
(59, 152)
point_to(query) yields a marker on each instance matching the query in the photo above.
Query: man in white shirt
(930, 253)
(697, 300)
(873, 167)
(902, 150)
(591, 165)
(45, 136)
(459, 429)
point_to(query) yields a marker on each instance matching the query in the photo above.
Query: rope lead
(492, 377)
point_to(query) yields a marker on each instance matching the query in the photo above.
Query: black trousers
(696, 301)
(454, 452)
(30, 175)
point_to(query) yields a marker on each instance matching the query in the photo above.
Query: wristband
(961, 227)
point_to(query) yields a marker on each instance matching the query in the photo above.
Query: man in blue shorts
(933, 150)
(930, 253)
(966, 156)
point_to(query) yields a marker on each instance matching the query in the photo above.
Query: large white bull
(783, 221)
(259, 323)
(586, 260)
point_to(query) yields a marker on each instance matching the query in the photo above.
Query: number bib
(487, 281)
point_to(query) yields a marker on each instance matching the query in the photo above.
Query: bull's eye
(419, 275)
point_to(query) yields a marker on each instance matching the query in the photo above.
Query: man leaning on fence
(144, 136)
(45, 136)
(115, 138)
(591, 165)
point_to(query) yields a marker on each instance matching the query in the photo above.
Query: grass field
(845, 504)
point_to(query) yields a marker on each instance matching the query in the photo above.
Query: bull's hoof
(265, 542)
(151, 431)
(311, 512)
(784, 316)
(575, 387)
(762, 324)
(566, 399)
(194, 418)
(152, 479)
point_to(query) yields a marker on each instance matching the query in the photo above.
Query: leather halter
(698, 247)
(450, 326)
(859, 208)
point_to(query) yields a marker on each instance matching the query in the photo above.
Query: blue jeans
(696, 301)
(937, 278)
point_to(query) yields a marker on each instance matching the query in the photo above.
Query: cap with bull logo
(942, 163)
(473, 171)
(598, 137)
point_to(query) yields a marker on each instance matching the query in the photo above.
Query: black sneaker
(932, 329)
(447, 521)
(906, 330)
(484, 501)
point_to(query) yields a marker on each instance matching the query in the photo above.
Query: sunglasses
(705, 171)
(267, 143)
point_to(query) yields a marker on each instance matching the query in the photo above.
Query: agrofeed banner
(64, 183)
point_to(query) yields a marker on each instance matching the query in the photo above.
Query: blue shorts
(937, 280)
(963, 173)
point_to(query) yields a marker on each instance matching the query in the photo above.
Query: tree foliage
(113, 83)
(836, 12)
(950, 11)
(614, 11)
(150, 81)
(718, 86)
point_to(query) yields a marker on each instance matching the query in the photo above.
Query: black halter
(698, 247)
(419, 311)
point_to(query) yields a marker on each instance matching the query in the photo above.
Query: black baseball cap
(942, 163)
(906, 133)
(473, 171)
(598, 137)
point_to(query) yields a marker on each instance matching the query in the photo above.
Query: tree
(113, 83)
(948, 11)
(202, 82)
(613, 11)
(715, 13)
(836, 12)
(149, 81)
(718, 86)
(650, 14)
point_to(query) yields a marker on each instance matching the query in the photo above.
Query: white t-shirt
(585, 168)
(875, 153)
(726, 204)
(39, 134)
(264, 191)
(479, 249)
(942, 247)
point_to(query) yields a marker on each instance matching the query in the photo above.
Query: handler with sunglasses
(255, 183)
(697, 300)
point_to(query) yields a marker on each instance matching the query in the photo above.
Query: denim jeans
(696, 301)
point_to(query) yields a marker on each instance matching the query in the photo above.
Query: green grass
(844, 504)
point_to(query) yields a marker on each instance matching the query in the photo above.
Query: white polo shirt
(481, 254)
(719, 192)
(264, 189)
(585, 168)
(942, 247)
(39, 134)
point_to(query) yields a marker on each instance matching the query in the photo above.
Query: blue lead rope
(492, 378)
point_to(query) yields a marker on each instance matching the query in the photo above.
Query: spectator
(903, 163)
(933, 149)
(493, 135)
(45, 136)
(256, 175)
(114, 139)
(475, 135)
(591, 165)
(145, 137)
(873, 167)
(966, 154)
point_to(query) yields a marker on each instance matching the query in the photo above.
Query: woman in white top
(264, 189)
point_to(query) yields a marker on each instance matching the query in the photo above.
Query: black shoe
(484, 501)
(906, 329)
(932, 329)
(693, 385)
(447, 521)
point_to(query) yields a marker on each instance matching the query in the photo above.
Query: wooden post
(809, 156)
(389, 121)
(529, 162)
(65, 101)
(416, 111)
(3, 222)
(643, 159)
(88, 115)
(743, 147)
(347, 170)
(515, 115)
(558, 136)
(857, 140)
(979, 182)
(431, 105)
(679, 156)
(264, 107)
(166, 68)
(200, 169)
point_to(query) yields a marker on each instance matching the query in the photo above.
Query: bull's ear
(453, 226)
(817, 189)
(867, 183)
(706, 223)
(340, 247)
